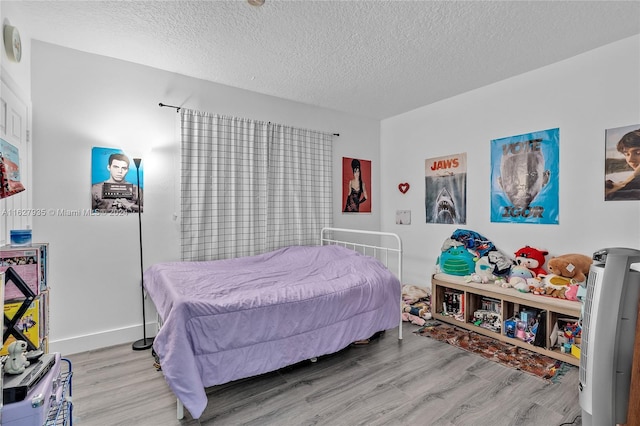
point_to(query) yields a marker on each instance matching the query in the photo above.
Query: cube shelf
(503, 304)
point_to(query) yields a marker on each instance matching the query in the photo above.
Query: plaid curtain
(248, 186)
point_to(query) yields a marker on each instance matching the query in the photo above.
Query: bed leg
(400, 330)
(180, 409)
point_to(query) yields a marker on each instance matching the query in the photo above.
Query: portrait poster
(9, 170)
(446, 189)
(114, 182)
(356, 185)
(622, 163)
(524, 178)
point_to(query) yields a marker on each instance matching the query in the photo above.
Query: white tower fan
(608, 335)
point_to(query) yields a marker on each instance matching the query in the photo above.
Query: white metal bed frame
(378, 250)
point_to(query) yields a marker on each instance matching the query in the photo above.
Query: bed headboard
(384, 246)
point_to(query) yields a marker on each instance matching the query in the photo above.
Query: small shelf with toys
(542, 324)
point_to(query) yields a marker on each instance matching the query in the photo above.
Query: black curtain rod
(170, 106)
(178, 110)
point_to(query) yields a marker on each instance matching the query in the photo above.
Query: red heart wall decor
(404, 187)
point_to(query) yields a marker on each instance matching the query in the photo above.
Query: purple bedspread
(230, 319)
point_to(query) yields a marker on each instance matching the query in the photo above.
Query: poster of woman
(114, 186)
(446, 189)
(356, 185)
(622, 163)
(524, 178)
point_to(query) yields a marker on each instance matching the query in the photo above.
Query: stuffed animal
(413, 319)
(412, 293)
(574, 266)
(16, 361)
(554, 285)
(518, 277)
(484, 269)
(532, 259)
(500, 263)
(572, 292)
(456, 260)
(420, 310)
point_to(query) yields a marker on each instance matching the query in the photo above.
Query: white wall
(19, 73)
(82, 101)
(15, 92)
(581, 96)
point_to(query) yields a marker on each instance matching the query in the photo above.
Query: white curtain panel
(300, 188)
(249, 186)
(223, 186)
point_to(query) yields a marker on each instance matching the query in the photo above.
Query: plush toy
(554, 285)
(475, 278)
(501, 264)
(484, 270)
(412, 294)
(518, 277)
(532, 258)
(456, 260)
(574, 266)
(413, 319)
(572, 292)
(16, 361)
(420, 310)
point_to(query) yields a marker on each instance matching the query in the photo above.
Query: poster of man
(356, 185)
(622, 163)
(524, 178)
(446, 189)
(114, 186)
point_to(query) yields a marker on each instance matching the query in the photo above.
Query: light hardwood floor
(417, 381)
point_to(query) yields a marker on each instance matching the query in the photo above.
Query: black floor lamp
(145, 342)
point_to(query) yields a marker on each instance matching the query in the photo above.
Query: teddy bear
(574, 266)
(16, 361)
(532, 259)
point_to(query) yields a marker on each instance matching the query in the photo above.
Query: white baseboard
(90, 342)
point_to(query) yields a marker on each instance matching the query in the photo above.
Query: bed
(226, 320)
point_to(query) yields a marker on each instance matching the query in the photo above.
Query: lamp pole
(144, 343)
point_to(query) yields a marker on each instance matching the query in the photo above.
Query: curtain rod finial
(170, 106)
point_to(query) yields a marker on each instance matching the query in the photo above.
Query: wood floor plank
(416, 381)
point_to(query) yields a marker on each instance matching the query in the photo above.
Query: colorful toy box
(25, 261)
(28, 324)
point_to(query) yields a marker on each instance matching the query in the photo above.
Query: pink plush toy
(406, 316)
(571, 293)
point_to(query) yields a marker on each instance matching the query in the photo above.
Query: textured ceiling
(371, 58)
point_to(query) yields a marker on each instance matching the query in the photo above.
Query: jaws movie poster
(446, 189)
(524, 178)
